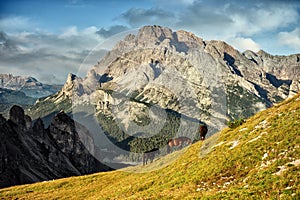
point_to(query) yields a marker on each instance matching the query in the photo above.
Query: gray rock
(37, 154)
(29, 85)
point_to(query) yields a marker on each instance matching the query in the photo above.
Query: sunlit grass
(239, 163)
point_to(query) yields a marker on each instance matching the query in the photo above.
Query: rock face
(171, 68)
(29, 85)
(164, 84)
(31, 153)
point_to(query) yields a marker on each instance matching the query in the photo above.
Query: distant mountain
(29, 85)
(8, 96)
(29, 152)
(160, 84)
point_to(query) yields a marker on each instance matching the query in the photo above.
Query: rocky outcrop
(31, 153)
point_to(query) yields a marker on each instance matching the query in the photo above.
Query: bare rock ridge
(31, 153)
(158, 64)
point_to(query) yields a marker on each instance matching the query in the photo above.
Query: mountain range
(176, 70)
(23, 91)
(27, 84)
(160, 84)
(151, 87)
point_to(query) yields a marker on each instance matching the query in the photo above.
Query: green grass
(238, 163)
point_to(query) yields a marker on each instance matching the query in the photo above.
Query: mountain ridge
(27, 84)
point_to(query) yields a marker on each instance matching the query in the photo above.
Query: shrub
(235, 123)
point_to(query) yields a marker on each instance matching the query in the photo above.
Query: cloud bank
(47, 56)
(27, 49)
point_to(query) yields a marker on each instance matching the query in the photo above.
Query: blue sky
(49, 39)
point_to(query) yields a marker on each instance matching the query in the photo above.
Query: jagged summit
(159, 61)
(17, 82)
(157, 32)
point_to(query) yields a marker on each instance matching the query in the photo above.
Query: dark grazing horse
(149, 155)
(202, 130)
(180, 141)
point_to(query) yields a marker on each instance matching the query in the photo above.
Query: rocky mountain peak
(69, 86)
(154, 33)
(16, 115)
(38, 126)
(71, 77)
(220, 48)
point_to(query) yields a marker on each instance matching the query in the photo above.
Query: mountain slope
(8, 98)
(257, 160)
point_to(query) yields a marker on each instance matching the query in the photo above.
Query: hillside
(257, 160)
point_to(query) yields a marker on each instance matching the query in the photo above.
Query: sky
(48, 39)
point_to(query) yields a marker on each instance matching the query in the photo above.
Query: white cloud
(16, 24)
(176, 2)
(243, 44)
(221, 21)
(256, 20)
(69, 32)
(290, 39)
(41, 53)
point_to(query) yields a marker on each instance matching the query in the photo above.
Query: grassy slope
(241, 166)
